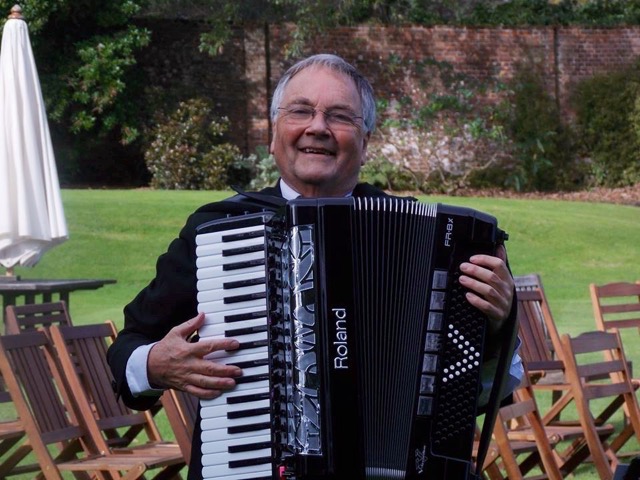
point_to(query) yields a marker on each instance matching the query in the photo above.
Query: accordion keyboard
(231, 292)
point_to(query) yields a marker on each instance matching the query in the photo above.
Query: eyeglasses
(337, 118)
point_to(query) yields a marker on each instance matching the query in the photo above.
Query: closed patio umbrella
(31, 214)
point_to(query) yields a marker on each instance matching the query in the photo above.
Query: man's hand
(490, 284)
(174, 362)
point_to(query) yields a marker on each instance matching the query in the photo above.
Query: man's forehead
(317, 83)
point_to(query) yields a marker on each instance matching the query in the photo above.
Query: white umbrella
(31, 214)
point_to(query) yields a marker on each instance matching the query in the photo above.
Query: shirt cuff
(136, 372)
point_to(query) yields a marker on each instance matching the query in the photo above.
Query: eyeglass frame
(350, 120)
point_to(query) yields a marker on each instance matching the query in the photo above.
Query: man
(323, 114)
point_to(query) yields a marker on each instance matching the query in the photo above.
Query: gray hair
(337, 64)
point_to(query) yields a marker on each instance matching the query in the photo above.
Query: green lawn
(119, 233)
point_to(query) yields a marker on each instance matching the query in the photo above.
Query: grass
(118, 234)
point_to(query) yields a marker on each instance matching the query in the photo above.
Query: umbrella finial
(16, 12)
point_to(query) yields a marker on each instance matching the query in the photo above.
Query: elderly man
(323, 114)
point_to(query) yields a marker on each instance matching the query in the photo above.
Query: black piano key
(253, 427)
(248, 447)
(250, 412)
(254, 344)
(245, 298)
(240, 265)
(248, 398)
(230, 252)
(245, 331)
(248, 462)
(240, 317)
(252, 378)
(244, 283)
(235, 237)
(251, 363)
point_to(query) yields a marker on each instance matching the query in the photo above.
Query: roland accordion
(360, 354)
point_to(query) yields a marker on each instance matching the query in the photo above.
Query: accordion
(361, 355)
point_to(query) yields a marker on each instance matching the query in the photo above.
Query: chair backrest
(26, 364)
(20, 318)
(597, 369)
(541, 348)
(181, 409)
(57, 438)
(522, 440)
(82, 353)
(616, 305)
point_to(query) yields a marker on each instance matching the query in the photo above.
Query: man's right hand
(175, 362)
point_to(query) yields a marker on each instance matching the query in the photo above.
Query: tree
(85, 54)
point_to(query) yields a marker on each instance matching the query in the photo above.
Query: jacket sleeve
(167, 301)
(171, 297)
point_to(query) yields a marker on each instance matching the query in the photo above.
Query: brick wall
(242, 78)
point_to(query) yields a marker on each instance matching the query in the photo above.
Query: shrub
(439, 135)
(187, 151)
(608, 121)
(542, 144)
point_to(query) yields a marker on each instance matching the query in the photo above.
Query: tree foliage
(85, 54)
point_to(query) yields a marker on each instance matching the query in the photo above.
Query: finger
(203, 347)
(188, 328)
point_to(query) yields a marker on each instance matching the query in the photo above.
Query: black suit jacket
(171, 297)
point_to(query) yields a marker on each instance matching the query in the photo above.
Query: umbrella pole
(9, 276)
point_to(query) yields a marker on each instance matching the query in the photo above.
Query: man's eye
(300, 111)
(341, 117)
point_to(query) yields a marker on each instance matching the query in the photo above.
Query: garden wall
(241, 79)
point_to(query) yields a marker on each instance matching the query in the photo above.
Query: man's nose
(319, 121)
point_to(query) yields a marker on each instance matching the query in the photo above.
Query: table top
(52, 285)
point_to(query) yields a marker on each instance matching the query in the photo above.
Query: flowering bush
(187, 151)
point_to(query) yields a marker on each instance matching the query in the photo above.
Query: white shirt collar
(289, 193)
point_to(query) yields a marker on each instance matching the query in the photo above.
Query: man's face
(315, 157)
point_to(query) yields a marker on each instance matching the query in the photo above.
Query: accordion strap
(497, 395)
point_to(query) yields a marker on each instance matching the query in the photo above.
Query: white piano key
(217, 248)
(232, 355)
(244, 473)
(223, 445)
(222, 293)
(219, 329)
(253, 337)
(216, 423)
(247, 355)
(222, 399)
(224, 458)
(235, 276)
(219, 307)
(221, 433)
(217, 271)
(214, 260)
(225, 408)
(216, 237)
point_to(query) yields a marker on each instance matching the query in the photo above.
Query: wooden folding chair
(614, 386)
(181, 409)
(616, 305)
(32, 316)
(54, 433)
(527, 448)
(541, 348)
(82, 354)
(521, 442)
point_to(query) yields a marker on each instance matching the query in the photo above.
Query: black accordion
(361, 355)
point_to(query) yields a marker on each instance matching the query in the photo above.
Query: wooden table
(44, 290)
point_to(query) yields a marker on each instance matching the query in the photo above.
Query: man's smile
(317, 151)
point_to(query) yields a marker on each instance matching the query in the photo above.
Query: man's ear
(273, 139)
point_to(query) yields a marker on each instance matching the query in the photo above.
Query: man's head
(323, 113)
